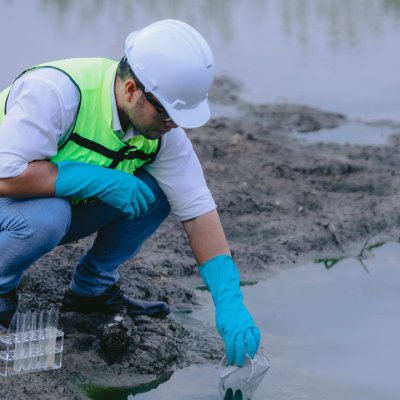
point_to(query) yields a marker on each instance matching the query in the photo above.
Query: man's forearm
(38, 180)
(206, 236)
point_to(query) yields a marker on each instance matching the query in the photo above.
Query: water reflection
(345, 21)
(392, 5)
(340, 55)
(353, 132)
(330, 334)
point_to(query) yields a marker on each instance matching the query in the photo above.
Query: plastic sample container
(240, 383)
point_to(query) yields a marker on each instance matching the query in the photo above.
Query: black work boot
(8, 307)
(111, 301)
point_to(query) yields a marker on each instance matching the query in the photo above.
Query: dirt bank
(282, 202)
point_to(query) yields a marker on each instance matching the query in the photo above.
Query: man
(90, 145)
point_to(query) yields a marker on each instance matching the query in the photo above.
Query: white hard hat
(174, 63)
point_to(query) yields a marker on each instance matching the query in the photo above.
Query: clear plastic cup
(241, 383)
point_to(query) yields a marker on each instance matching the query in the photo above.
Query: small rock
(235, 139)
(61, 390)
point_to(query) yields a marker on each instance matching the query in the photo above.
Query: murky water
(351, 133)
(341, 55)
(330, 334)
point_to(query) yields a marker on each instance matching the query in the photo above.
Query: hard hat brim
(190, 117)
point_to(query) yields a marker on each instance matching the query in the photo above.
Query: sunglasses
(150, 98)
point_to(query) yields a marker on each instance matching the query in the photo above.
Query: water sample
(32, 343)
(51, 331)
(240, 383)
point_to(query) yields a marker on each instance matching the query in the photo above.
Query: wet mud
(282, 203)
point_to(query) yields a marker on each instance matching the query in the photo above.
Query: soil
(282, 203)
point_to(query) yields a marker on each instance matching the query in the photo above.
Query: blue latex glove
(233, 321)
(116, 188)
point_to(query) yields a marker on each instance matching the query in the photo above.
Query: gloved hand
(116, 188)
(233, 321)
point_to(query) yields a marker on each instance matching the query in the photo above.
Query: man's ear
(130, 88)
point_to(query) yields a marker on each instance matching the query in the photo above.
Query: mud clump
(282, 202)
(115, 340)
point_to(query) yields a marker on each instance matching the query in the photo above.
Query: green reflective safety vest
(92, 139)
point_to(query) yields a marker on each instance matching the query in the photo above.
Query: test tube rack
(35, 344)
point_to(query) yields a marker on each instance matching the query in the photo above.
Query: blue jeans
(30, 228)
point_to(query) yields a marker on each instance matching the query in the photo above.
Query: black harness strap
(124, 153)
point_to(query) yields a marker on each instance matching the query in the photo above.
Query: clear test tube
(42, 340)
(18, 350)
(52, 336)
(26, 360)
(33, 344)
(36, 339)
(24, 305)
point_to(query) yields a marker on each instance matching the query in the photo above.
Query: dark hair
(124, 70)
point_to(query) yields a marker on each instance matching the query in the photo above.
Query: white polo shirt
(41, 109)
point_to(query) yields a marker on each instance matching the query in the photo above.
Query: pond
(340, 55)
(329, 333)
(352, 132)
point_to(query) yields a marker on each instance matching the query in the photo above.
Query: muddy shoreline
(282, 203)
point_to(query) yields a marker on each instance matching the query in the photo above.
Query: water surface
(340, 55)
(330, 334)
(353, 132)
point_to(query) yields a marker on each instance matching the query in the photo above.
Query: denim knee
(49, 227)
(29, 228)
(40, 223)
